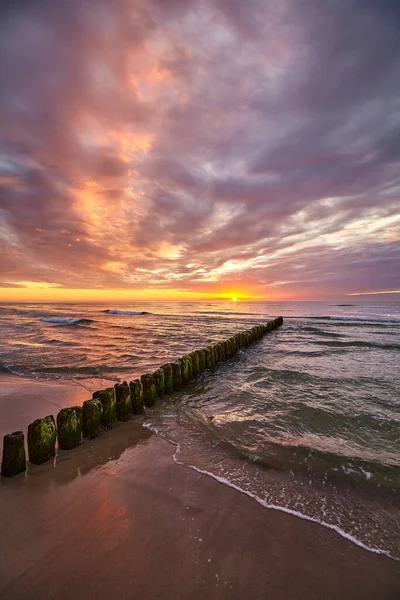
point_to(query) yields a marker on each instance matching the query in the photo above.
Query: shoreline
(122, 507)
(40, 396)
(24, 399)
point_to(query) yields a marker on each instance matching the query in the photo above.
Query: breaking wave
(126, 312)
(64, 321)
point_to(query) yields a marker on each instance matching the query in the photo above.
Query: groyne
(119, 403)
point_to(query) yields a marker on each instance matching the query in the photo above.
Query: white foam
(123, 312)
(151, 427)
(289, 511)
(60, 320)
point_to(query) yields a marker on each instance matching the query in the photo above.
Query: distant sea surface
(305, 421)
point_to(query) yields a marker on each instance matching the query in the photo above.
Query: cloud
(201, 145)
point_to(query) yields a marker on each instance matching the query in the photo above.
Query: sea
(305, 421)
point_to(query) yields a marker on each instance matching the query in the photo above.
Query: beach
(304, 421)
(22, 400)
(116, 518)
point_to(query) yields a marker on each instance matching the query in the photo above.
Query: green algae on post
(149, 389)
(159, 376)
(184, 370)
(227, 346)
(216, 354)
(109, 416)
(202, 359)
(209, 360)
(194, 356)
(123, 401)
(136, 389)
(190, 365)
(168, 377)
(177, 374)
(69, 427)
(13, 461)
(42, 435)
(92, 411)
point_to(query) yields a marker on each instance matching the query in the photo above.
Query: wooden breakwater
(118, 403)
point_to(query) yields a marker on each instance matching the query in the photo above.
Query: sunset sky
(199, 148)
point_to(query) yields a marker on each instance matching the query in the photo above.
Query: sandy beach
(22, 400)
(117, 518)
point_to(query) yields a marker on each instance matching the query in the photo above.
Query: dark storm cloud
(196, 144)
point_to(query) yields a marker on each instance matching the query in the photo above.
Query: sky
(188, 149)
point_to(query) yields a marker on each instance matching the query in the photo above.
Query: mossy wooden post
(123, 401)
(194, 357)
(149, 389)
(92, 411)
(246, 339)
(168, 377)
(177, 374)
(136, 389)
(160, 382)
(184, 370)
(107, 399)
(13, 461)
(202, 359)
(228, 350)
(190, 365)
(216, 354)
(69, 427)
(233, 345)
(211, 348)
(209, 361)
(42, 435)
(221, 351)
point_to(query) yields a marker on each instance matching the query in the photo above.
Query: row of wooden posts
(117, 403)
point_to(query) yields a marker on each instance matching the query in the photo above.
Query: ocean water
(306, 420)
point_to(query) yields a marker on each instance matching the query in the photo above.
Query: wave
(344, 305)
(366, 320)
(64, 321)
(321, 332)
(9, 369)
(349, 321)
(126, 312)
(265, 504)
(358, 344)
(54, 341)
(88, 370)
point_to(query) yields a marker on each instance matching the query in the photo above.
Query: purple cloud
(201, 144)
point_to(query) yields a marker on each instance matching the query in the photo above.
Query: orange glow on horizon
(45, 292)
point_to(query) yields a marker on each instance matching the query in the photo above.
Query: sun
(234, 299)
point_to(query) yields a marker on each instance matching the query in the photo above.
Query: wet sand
(22, 400)
(116, 518)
